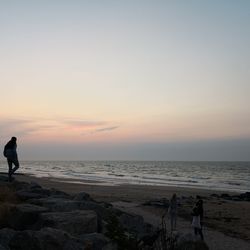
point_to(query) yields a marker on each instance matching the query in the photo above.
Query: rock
(24, 216)
(245, 196)
(32, 191)
(59, 194)
(4, 178)
(236, 198)
(45, 239)
(96, 240)
(225, 196)
(135, 224)
(53, 239)
(158, 203)
(2, 248)
(25, 195)
(34, 185)
(19, 185)
(82, 197)
(57, 204)
(102, 211)
(23, 240)
(76, 222)
(215, 195)
(6, 235)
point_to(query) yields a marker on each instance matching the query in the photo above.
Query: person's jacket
(10, 151)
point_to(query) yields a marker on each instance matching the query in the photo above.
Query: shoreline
(119, 191)
(101, 190)
(195, 175)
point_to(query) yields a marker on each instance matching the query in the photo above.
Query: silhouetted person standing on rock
(11, 155)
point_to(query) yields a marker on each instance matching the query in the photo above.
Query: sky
(126, 80)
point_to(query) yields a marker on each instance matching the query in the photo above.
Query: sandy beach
(226, 222)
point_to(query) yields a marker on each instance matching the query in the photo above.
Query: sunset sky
(126, 80)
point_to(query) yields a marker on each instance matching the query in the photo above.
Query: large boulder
(27, 191)
(96, 241)
(6, 234)
(45, 239)
(25, 195)
(59, 194)
(82, 196)
(24, 216)
(76, 222)
(245, 196)
(135, 224)
(57, 204)
(103, 210)
(4, 178)
(2, 247)
(158, 203)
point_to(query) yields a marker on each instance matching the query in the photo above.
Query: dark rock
(4, 178)
(45, 239)
(6, 234)
(59, 194)
(57, 204)
(82, 197)
(53, 239)
(96, 240)
(225, 196)
(158, 203)
(76, 223)
(102, 211)
(3, 248)
(236, 198)
(215, 195)
(23, 240)
(245, 196)
(25, 195)
(24, 216)
(34, 185)
(135, 224)
(19, 185)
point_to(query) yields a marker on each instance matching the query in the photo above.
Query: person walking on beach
(198, 218)
(11, 154)
(172, 211)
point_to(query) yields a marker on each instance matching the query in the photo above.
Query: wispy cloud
(36, 125)
(83, 123)
(15, 126)
(106, 129)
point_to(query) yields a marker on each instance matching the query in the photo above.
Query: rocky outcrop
(47, 219)
(95, 240)
(82, 197)
(241, 197)
(75, 223)
(158, 203)
(24, 216)
(45, 239)
(55, 204)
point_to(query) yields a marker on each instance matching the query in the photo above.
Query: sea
(223, 176)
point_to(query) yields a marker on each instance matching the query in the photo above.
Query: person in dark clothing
(198, 218)
(172, 211)
(11, 154)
